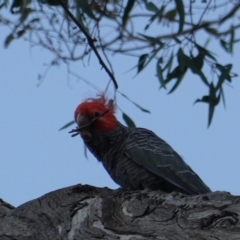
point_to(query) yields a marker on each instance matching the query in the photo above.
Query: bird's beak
(82, 120)
(84, 132)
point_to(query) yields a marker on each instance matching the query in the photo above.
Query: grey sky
(36, 158)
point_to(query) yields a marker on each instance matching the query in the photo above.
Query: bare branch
(90, 40)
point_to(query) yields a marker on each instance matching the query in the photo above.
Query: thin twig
(90, 42)
(204, 11)
(230, 14)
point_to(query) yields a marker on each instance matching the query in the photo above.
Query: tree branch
(86, 212)
(90, 41)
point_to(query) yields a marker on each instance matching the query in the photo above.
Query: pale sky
(36, 158)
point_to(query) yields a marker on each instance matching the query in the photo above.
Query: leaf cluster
(167, 36)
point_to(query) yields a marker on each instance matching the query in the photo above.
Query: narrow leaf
(179, 71)
(177, 40)
(232, 41)
(205, 99)
(84, 5)
(195, 65)
(225, 46)
(213, 101)
(177, 82)
(212, 31)
(152, 40)
(16, 6)
(155, 52)
(20, 33)
(198, 61)
(128, 120)
(151, 6)
(206, 52)
(80, 18)
(225, 74)
(141, 62)
(8, 40)
(223, 97)
(67, 125)
(127, 10)
(158, 14)
(85, 151)
(141, 108)
(169, 64)
(170, 15)
(160, 74)
(181, 59)
(25, 14)
(174, 74)
(181, 13)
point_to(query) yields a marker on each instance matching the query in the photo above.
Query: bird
(135, 158)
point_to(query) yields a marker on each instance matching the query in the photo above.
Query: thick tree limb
(86, 212)
(5, 208)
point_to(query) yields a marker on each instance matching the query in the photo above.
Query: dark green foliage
(67, 125)
(128, 120)
(86, 8)
(141, 62)
(127, 11)
(181, 13)
(167, 36)
(8, 40)
(17, 6)
(216, 92)
(137, 105)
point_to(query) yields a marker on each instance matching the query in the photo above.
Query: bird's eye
(96, 114)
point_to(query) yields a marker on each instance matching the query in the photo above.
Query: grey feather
(136, 158)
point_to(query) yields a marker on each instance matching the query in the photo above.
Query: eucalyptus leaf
(141, 62)
(181, 13)
(127, 11)
(128, 120)
(67, 125)
(160, 74)
(137, 105)
(8, 40)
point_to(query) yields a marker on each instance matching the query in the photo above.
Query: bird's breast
(86, 135)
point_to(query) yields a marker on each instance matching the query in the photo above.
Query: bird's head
(95, 115)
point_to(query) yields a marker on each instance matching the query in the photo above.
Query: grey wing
(154, 154)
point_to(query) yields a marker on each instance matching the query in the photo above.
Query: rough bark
(86, 212)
